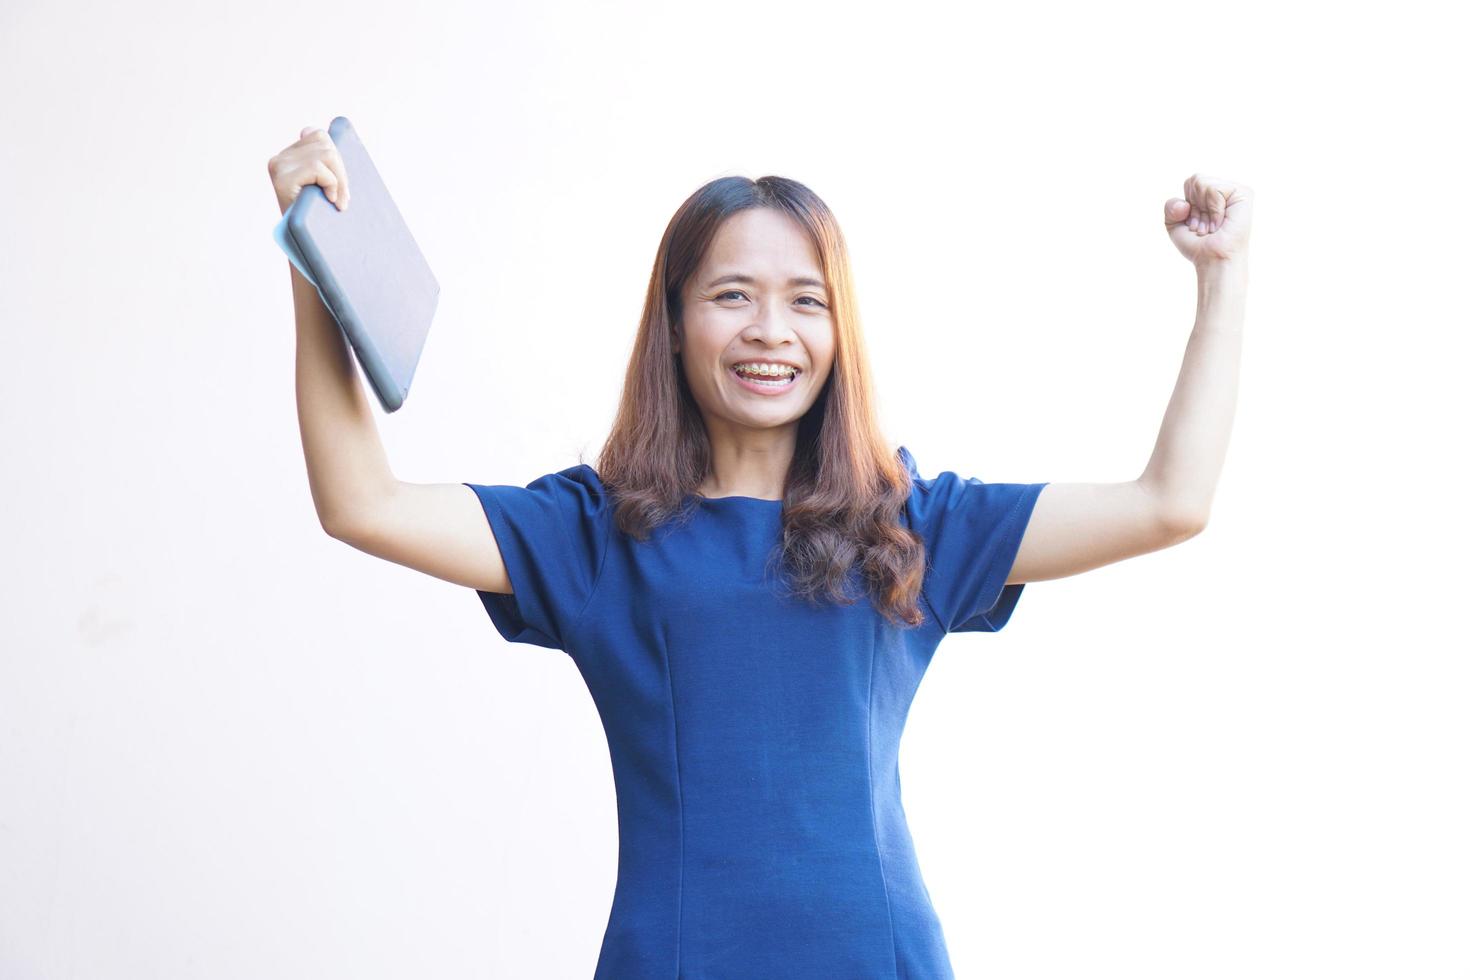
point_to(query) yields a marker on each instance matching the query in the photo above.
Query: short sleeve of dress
(972, 531)
(552, 534)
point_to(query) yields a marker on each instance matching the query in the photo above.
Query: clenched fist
(1212, 222)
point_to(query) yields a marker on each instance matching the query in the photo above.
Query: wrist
(1222, 270)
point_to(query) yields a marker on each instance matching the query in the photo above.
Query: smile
(771, 386)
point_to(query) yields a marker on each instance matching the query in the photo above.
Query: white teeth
(781, 381)
(767, 370)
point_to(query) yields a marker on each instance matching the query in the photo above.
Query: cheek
(701, 367)
(823, 359)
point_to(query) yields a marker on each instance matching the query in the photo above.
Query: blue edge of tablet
(287, 246)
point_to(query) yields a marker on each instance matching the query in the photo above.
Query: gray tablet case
(367, 268)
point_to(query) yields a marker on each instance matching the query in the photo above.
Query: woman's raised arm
(438, 529)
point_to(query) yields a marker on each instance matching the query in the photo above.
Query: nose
(773, 324)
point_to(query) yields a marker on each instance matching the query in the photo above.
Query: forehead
(764, 243)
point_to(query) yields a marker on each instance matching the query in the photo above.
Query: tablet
(367, 267)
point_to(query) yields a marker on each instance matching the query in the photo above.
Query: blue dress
(754, 737)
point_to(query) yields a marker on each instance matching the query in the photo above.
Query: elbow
(1176, 517)
(331, 525)
(1179, 521)
(1182, 527)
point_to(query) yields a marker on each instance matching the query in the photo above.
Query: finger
(1201, 205)
(327, 179)
(1215, 193)
(333, 160)
(1175, 211)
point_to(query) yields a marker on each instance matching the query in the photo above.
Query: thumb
(1176, 209)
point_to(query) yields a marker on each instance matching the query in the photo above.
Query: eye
(737, 292)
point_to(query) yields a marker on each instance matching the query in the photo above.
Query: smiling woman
(746, 481)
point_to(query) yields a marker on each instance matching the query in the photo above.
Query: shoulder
(949, 498)
(922, 491)
(567, 509)
(580, 477)
(577, 487)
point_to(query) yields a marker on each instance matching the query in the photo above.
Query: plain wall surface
(233, 747)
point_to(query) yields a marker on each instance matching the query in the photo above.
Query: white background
(233, 747)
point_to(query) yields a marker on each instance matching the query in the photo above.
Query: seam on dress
(928, 567)
(873, 814)
(916, 484)
(679, 785)
(1006, 528)
(491, 503)
(597, 579)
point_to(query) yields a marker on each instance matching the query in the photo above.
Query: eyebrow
(747, 280)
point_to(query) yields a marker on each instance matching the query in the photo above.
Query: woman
(752, 582)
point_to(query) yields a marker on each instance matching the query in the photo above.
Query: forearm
(345, 461)
(1190, 452)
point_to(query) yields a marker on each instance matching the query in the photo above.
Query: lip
(761, 390)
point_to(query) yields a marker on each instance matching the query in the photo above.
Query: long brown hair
(846, 486)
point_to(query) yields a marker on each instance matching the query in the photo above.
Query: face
(776, 309)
